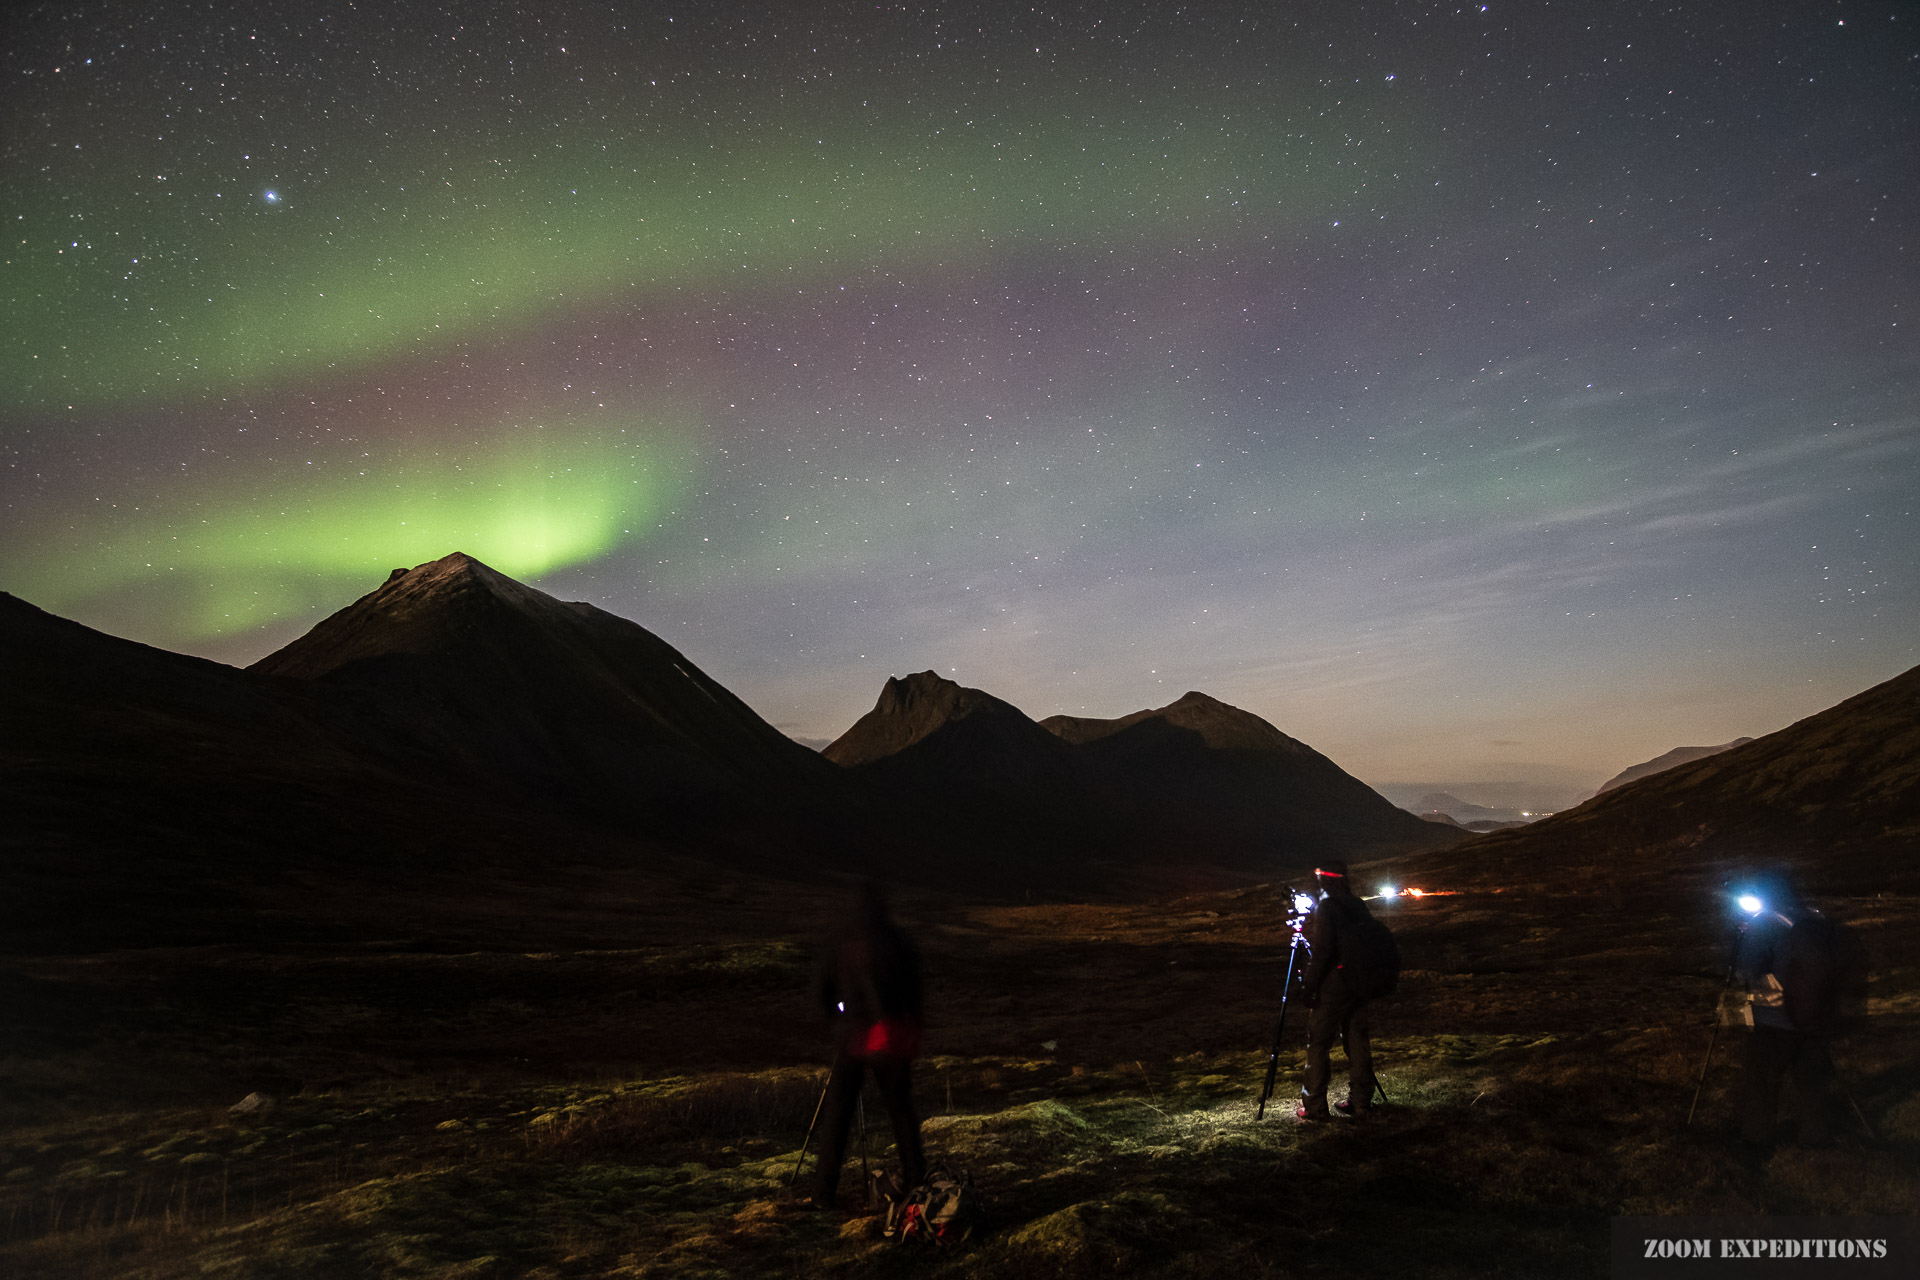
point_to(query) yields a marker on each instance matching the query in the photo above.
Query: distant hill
(1466, 813)
(1453, 806)
(1659, 764)
(1836, 794)
(1201, 772)
(1548, 790)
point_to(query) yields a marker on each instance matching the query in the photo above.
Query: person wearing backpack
(1354, 960)
(1799, 967)
(869, 985)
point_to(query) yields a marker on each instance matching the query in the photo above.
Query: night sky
(1507, 391)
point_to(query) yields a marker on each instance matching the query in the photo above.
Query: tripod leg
(1858, 1114)
(1273, 1058)
(1711, 1041)
(1733, 965)
(814, 1123)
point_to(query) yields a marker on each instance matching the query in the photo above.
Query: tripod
(1286, 990)
(860, 1105)
(1733, 961)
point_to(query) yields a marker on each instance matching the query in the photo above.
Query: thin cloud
(1724, 517)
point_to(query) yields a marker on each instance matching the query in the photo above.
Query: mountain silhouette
(1195, 784)
(453, 717)
(1473, 817)
(927, 723)
(952, 763)
(478, 674)
(1836, 794)
(153, 797)
(1203, 775)
(1659, 764)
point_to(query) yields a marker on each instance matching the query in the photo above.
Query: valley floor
(625, 1094)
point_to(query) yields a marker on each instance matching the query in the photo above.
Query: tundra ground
(567, 1088)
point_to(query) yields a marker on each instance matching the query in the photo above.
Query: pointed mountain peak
(1226, 727)
(453, 574)
(926, 693)
(558, 698)
(459, 564)
(447, 566)
(914, 707)
(1196, 704)
(417, 610)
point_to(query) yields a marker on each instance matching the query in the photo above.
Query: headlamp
(1387, 891)
(1750, 904)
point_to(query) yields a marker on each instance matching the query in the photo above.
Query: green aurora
(141, 278)
(241, 545)
(208, 290)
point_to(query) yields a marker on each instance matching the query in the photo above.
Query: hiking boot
(1310, 1116)
(1346, 1108)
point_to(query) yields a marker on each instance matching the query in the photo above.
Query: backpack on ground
(1822, 966)
(1369, 958)
(944, 1210)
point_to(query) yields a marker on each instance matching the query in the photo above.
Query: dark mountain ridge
(1211, 774)
(958, 768)
(1836, 794)
(154, 797)
(456, 716)
(1195, 783)
(1661, 763)
(926, 723)
(1217, 726)
(453, 717)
